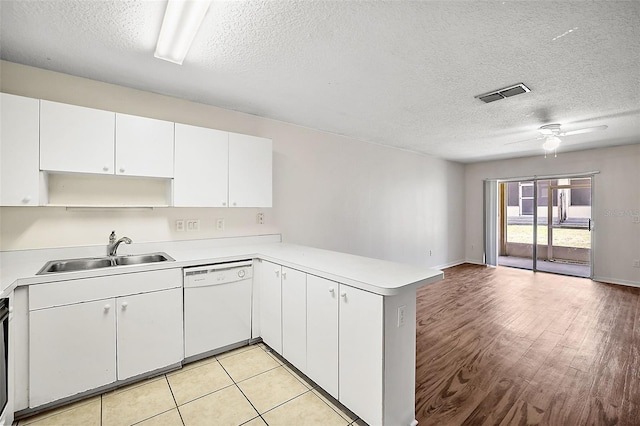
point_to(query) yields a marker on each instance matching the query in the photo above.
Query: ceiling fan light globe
(551, 143)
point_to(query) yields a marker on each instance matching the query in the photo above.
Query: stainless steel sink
(70, 265)
(137, 259)
(83, 264)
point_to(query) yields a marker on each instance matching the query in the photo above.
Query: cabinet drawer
(88, 289)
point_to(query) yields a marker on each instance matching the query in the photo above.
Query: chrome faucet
(112, 248)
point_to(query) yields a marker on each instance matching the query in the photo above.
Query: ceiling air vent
(505, 92)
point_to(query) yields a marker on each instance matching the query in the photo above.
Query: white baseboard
(474, 262)
(617, 281)
(450, 264)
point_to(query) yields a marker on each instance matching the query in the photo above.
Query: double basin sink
(83, 264)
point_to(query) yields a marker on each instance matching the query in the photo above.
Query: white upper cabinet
(201, 167)
(144, 146)
(76, 139)
(250, 169)
(85, 140)
(19, 136)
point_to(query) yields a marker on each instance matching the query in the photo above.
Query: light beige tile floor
(249, 386)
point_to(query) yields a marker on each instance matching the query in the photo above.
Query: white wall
(365, 199)
(616, 203)
(329, 191)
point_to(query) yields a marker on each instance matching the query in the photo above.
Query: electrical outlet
(260, 218)
(220, 224)
(193, 225)
(180, 225)
(402, 313)
(636, 263)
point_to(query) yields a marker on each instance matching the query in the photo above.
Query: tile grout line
(245, 396)
(174, 399)
(333, 407)
(299, 379)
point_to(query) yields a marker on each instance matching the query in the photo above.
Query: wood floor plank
(544, 384)
(569, 398)
(507, 346)
(498, 402)
(599, 412)
(522, 413)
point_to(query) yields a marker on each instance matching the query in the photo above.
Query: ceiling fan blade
(526, 140)
(585, 130)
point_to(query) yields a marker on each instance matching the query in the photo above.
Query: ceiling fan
(551, 134)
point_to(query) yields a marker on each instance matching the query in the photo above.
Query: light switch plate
(180, 225)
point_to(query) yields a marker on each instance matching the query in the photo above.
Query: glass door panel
(516, 224)
(564, 235)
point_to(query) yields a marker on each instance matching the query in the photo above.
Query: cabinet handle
(332, 290)
(277, 273)
(107, 307)
(26, 199)
(343, 295)
(121, 169)
(224, 203)
(234, 203)
(105, 168)
(284, 275)
(124, 305)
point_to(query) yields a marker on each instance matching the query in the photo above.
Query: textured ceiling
(398, 73)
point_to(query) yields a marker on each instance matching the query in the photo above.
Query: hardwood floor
(505, 346)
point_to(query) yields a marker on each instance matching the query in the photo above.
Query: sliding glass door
(545, 225)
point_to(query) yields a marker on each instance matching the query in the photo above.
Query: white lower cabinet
(345, 345)
(322, 333)
(331, 332)
(294, 317)
(71, 350)
(266, 276)
(77, 343)
(360, 354)
(149, 332)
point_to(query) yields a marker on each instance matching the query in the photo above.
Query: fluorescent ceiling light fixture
(179, 26)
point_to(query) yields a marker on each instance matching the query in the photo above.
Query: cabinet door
(149, 332)
(76, 139)
(250, 164)
(294, 317)
(267, 280)
(19, 139)
(322, 333)
(71, 350)
(201, 167)
(361, 353)
(144, 146)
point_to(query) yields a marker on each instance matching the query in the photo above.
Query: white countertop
(377, 276)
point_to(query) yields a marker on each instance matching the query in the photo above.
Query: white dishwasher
(217, 307)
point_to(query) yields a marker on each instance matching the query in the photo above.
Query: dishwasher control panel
(218, 273)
